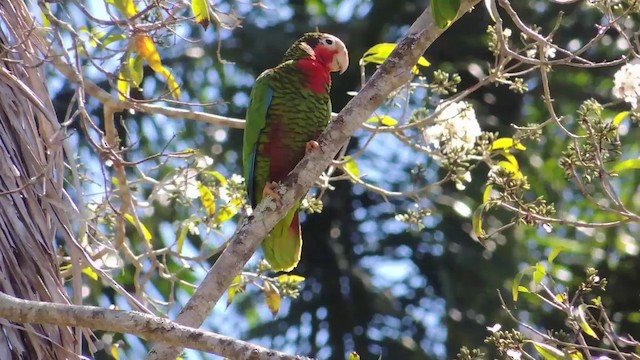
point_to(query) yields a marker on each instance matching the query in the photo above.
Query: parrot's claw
(310, 146)
(270, 191)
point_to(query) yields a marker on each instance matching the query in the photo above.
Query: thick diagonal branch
(392, 74)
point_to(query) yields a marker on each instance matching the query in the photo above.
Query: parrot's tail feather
(282, 247)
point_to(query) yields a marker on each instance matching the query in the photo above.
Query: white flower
(203, 162)
(514, 354)
(237, 179)
(456, 128)
(626, 84)
(549, 52)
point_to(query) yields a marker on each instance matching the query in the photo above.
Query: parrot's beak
(340, 61)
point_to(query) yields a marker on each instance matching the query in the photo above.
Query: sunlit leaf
(136, 70)
(626, 165)
(200, 10)
(476, 223)
(539, 273)
(486, 195)
(506, 143)
(206, 197)
(114, 352)
(560, 298)
(351, 167)
(378, 53)
(354, 356)
(511, 167)
(145, 231)
(523, 289)
(143, 45)
(515, 285)
(554, 253)
(292, 279)
(233, 289)
(126, 7)
(549, 352)
(124, 77)
(45, 20)
(620, 116)
(90, 273)
(227, 211)
(384, 120)
(184, 228)
(220, 177)
(271, 298)
(581, 317)
(444, 11)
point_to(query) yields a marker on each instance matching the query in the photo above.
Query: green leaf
(523, 289)
(539, 273)
(90, 273)
(182, 236)
(136, 70)
(515, 285)
(620, 116)
(548, 352)
(378, 53)
(124, 77)
(626, 165)
(581, 316)
(556, 250)
(126, 7)
(228, 211)
(476, 223)
(351, 167)
(384, 120)
(506, 143)
(354, 356)
(444, 11)
(200, 10)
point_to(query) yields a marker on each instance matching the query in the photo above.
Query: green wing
(259, 102)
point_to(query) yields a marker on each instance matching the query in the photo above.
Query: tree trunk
(33, 204)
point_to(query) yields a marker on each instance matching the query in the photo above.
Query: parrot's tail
(283, 245)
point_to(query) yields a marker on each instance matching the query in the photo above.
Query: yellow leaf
(126, 7)
(144, 46)
(354, 356)
(124, 78)
(511, 167)
(206, 197)
(619, 117)
(293, 279)
(271, 298)
(90, 273)
(351, 167)
(45, 20)
(228, 211)
(384, 120)
(114, 352)
(200, 10)
(582, 321)
(378, 53)
(506, 143)
(487, 194)
(539, 273)
(220, 177)
(145, 231)
(476, 223)
(548, 352)
(233, 289)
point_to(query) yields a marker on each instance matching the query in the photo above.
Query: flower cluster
(455, 130)
(626, 84)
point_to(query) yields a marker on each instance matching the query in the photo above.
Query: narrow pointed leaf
(145, 232)
(620, 116)
(378, 53)
(200, 10)
(582, 321)
(206, 197)
(626, 165)
(549, 352)
(271, 298)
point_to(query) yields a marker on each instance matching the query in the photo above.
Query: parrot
(289, 107)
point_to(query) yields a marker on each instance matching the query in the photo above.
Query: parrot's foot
(310, 146)
(270, 191)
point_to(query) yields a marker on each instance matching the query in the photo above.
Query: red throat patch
(316, 69)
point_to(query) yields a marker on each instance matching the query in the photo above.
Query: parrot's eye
(329, 41)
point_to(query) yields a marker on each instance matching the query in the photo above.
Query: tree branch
(146, 326)
(395, 71)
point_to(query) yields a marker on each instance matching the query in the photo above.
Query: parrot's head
(325, 48)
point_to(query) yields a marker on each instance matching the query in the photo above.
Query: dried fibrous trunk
(33, 205)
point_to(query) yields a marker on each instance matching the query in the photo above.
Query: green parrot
(288, 109)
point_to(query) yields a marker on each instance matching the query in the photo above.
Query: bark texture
(33, 205)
